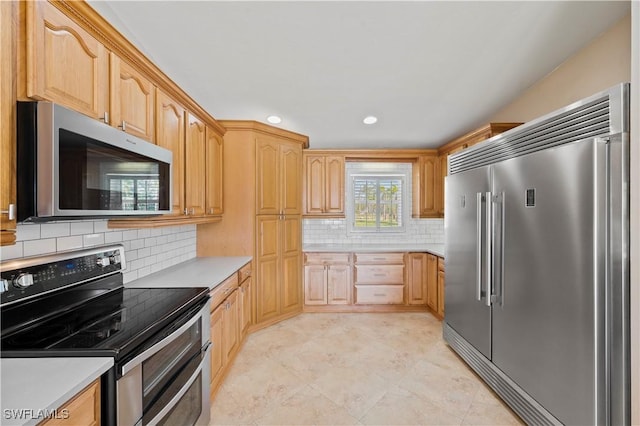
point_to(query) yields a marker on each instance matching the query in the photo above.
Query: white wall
(146, 250)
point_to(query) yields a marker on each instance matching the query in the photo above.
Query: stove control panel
(27, 278)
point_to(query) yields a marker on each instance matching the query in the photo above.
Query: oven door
(170, 379)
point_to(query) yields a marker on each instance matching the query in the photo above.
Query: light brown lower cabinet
(432, 282)
(327, 279)
(440, 287)
(229, 321)
(379, 278)
(82, 410)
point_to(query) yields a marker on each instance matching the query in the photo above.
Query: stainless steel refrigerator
(537, 263)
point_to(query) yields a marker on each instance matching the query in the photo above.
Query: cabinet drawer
(440, 264)
(326, 258)
(244, 272)
(379, 294)
(224, 289)
(379, 274)
(378, 258)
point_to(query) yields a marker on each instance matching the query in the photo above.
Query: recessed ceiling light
(370, 119)
(274, 119)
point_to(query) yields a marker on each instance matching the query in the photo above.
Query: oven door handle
(164, 342)
(178, 396)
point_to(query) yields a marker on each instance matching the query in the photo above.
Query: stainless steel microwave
(72, 166)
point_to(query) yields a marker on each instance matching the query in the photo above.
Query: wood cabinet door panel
(379, 274)
(132, 100)
(83, 409)
(291, 283)
(432, 282)
(315, 285)
(417, 278)
(334, 183)
(81, 80)
(245, 306)
(170, 118)
(291, 183)
(195, 166)
(230, 327)
(267, 178)
(429, 168)
(217, 344)
(338, 284)
(8, 53)
(314, 185)
(379, 294)
(441, 292)
(268, 244)
(214, 173)
(267, 294)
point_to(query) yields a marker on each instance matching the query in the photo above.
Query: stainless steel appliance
(70, 165)
(536, 254)
(73, 304)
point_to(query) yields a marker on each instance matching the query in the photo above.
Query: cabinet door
(217, 345)
(291, 295)
(291, 178)
(80, 81)
(428, 171)
(334, 185)
(417, 278)
(267, 292)
(132, 100)
(195, 166)
(214, 173)
(230, 328)
(432, 282)
(441, 293)
(83, 409)
(314, 184)
(170, 135)
(338, 284)
(315, 285)
(443, 163)
(245, 306)
(7, 121)
(267, 177)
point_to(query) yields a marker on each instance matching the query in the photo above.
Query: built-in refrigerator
(537, 263)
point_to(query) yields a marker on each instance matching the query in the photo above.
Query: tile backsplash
(146, 250)
(334, 231)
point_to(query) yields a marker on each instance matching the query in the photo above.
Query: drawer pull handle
(379, 294)
(379, 275)
(379, 258)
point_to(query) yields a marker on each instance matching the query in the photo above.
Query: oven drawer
(379, 294)
(223, 290)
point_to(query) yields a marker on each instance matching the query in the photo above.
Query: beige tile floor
(354, 369)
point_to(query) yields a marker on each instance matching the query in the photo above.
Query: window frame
(351, 201)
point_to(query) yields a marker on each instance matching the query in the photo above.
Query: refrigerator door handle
(488, 247)
(479, 199)
(497, 281)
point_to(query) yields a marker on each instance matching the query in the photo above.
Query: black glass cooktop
(98, 321)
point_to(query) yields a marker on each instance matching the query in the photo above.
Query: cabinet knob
(186, 212)
(105, 117)
(123, 126)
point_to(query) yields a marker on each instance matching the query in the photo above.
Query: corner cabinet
(324, 185)
(8, 13)
(262, 181)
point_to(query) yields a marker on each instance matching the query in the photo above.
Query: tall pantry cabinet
(263, 187)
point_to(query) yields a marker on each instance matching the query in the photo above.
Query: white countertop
(198, 272)
(34, 387)
(437, 249)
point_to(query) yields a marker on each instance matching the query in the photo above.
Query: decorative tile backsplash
(146, 250)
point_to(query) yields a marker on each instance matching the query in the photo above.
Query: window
(377, 203)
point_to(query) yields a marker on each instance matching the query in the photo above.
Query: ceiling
(430, 71)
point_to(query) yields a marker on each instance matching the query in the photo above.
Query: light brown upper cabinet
(195, 166)
(425, 190)
(324, 185)
(64, 63)
(457, 145)
(278, 188)
(7, 126)
(132, 100)
(170, 134)
(214, 173)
